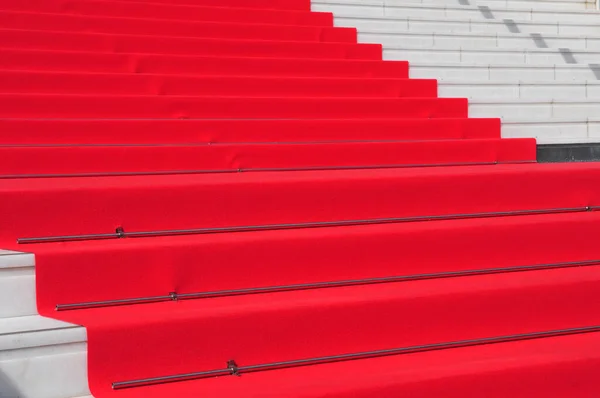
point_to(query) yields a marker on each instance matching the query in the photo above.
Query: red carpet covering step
(237, 199)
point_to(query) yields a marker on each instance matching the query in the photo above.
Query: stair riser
(347, 10)
(542, 110)
(508, 73)
(464, 26)
(17, 294)
(506, 57)
(475, 42)
(58, 374)
(550, 131)
(515, 91)
(17, 285)
(519, 4)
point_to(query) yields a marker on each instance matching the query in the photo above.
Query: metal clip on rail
(233, 368)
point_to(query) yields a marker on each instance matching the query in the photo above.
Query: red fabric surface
(132, 268)
(68, 41)
(148, 107)
(150, 203)
(138, 84)
(556, 367)
(266, 328)
(119, 159)
(171, 11)
(156, 85)
(263, 4)
(17, 59)
(162, 27)
(61, 131)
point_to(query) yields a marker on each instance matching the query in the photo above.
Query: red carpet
(237, 199)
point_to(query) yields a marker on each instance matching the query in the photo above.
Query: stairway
(234, 197)
(534, 63)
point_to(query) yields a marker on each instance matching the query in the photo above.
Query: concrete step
(491, 55)
(517, 4)
(445, 25)
(17, 284)
(520, 89)
(42, 358)
(505, 72)
(363, 9)
(535, 109)
(555, 130)
(480, 41)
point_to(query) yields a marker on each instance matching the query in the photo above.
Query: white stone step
(362, 9)
(447, 25)
(554, 131)
(504, 72)
(42, 358)
(479, 41)
(492, 55)
(540, 109)
(518, 4)
(473, 89)
(17, 284)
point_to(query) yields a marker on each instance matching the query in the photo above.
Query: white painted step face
(480, 41)
(518, 4)
(543, 109)
(358, 9)
(503, 72)
(492, 56)
(515, 90)
(17, 284)
(554, 131)
(447, 25)
(42, 358)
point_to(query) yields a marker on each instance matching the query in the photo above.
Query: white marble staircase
(39, 357)
(534, 63)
